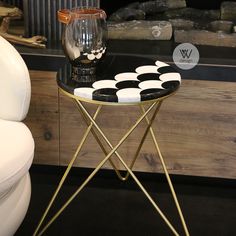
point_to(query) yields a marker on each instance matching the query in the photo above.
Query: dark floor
(109, 207)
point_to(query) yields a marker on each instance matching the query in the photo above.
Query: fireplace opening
(210, 22)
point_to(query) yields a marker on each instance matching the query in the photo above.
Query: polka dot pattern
(95, 54)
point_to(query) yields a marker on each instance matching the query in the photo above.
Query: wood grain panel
(195, 129)
(43, 117)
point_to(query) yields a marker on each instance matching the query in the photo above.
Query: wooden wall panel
(195, 128)
(43, 117)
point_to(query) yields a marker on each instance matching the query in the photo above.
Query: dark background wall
(110, 6)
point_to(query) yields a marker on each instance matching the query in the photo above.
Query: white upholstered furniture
(16, 142)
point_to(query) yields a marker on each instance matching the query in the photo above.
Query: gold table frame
(93, 127)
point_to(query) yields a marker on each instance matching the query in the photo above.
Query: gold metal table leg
(85, 116)
(126, 166)
(140, 146)
(92, 125)
(86, 119)
(66, 172)
(167, 175)
(90, 176)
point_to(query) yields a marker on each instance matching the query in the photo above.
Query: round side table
(120, 81)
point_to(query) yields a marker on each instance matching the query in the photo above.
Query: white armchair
(16, 141)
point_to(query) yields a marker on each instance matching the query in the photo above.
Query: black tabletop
(122, 79)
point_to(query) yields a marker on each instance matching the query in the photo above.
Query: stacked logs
(164, 19)
(131, 21)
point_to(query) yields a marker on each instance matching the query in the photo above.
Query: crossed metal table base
(94, 128)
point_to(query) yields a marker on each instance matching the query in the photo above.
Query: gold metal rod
(149, 198)
(130, 171)
(167, 176)
(99, 165)
(99, 142)
(66, 172)
(140, 146)
(110, 145)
